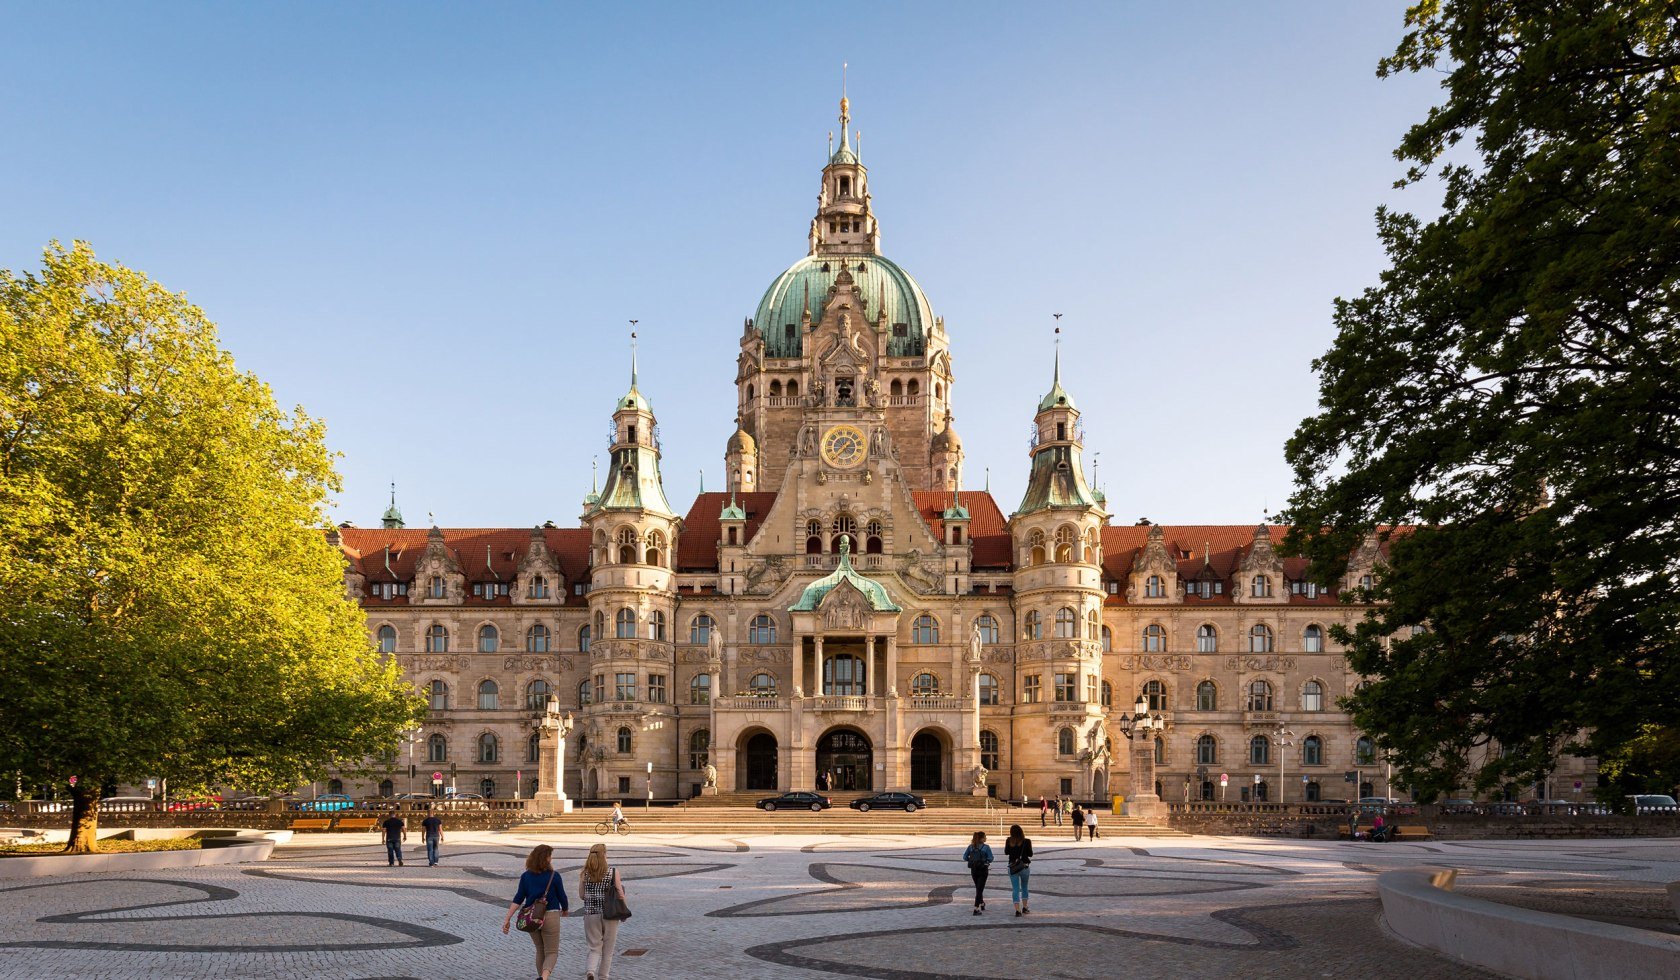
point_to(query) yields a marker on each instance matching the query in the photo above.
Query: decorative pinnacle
(1056, 375)
(393, 493)
(632, 353)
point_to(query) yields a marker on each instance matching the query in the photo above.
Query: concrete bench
(357, 823)
(312, 823)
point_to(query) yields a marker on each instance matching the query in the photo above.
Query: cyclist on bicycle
(617, 815)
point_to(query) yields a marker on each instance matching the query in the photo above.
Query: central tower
(844, 327)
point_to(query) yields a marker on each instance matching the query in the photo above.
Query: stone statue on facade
(980, 774)
(711, 775)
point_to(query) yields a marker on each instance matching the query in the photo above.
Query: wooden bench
(357, 823)
(312, 823)
(1411, 832)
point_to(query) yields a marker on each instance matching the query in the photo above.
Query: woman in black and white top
(1018, 849)
(601, 933)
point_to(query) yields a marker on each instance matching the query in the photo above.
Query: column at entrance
(879, 687)
(892, 666)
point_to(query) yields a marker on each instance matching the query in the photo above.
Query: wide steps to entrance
(712, 817)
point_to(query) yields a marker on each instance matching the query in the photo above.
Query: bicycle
(606, 826)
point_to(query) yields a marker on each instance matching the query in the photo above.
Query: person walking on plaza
(396, 831)
(978, 854)
(1061, 804)
(1091, 823)
(432, 829)
(541, 883)
(1017, 850)
(599, 931)
(1043, 810)
(1078, 820)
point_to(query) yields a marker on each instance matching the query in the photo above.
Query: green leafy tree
(168, 601)
(1512, 387)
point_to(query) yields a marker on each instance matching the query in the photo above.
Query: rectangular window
(1091, 689)
(1067, 787)
(656, 688)
(577, 588)
(623, 785)
(624, 687)
(1065, 687)
(600, 688)
(1030, 689)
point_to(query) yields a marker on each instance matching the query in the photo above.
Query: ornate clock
(844, 446)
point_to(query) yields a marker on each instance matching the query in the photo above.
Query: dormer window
(630, 434)
(901, 330)
(845, 187)
(1061, 431)
(435, 589)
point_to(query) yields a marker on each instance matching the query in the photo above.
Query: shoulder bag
(612, 904)
(531, 916)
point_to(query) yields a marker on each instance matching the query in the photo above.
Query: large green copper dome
(783, 304)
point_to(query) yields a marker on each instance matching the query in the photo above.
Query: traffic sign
(1306, 779)
(437, 777)
(1577, 784)
(1256, 779)
(151, 784)
(1224, 778)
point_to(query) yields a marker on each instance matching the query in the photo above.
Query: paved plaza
(787, 906)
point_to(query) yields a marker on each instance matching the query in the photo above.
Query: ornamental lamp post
(649, 804)
(1138, 728)
(1283, 736)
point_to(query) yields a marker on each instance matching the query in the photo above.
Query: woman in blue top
(979, 858)
(540, 881)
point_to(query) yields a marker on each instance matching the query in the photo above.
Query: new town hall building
(845, 608)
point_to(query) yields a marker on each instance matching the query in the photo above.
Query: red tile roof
(484, 555)
(1220, 548)
(697, 545)
(987, 526)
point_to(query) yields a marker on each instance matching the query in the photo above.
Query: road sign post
(1224, 781)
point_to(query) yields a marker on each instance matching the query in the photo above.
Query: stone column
(1142, 801)
(816, 661)
(879, 687)
(892, 666)
(551, 760)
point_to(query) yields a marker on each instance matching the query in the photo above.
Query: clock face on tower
(843, 446)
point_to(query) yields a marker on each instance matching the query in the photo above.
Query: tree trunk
(84, 819)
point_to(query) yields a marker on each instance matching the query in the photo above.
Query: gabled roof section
(697, 544)
(988, 530)
(483, 554)
(872, 590)
(1201, 551)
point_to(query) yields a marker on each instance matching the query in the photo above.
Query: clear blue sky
(429, 223)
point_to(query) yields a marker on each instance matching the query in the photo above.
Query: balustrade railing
(937, 702)
(840, 703)
(749, 703)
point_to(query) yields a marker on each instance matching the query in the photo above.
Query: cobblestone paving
(889, 907)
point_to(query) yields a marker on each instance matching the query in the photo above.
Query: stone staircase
(735, 814)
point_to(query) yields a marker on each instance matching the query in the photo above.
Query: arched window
(489, 641)
(762, 629)
(437, 638)
(387, 639)
(583, 639)
(1064, 543)
(655, 548)
(845, 526)
(762, 684)
(1067, 625)
(1312, 751)
(1154, 638)
(1260, 639)
(1207, 696)
(1155, 693)
(1154, 587)
(988, 690)
(537, 639)
(536, 695)
(1364, 752)
(750, 387)
(584, 694)
(487, 695)
(844, 675)
(434, 588)
(1259, 696)
(1107, 640)
(624, 741)
(897, 389)
(624, 624)
(912, 388)
(1207, 639)
(533, 747)
(1035, 546)
(439, 696)
(1312, 639)
(1365, 581)
(1207, 750)
(1262, 587)
(600, 630)
(627, 541)
(793, 389)
(988, 627)
(1064, 742)
(656, 625)
(873, 538)
(925, 629)
(700, 629)
(1160, 751)
(387, 788)
(1032, 627)
(1311, 791)
(437, 749)
(1107, 694)
(700, 689)
(1312, 696)
(813, 537)
(487, 788)
(776, 386)
(1093, 625)
(1259, 750)
(990, 757)
(699, 749)
(924, 684)
(489, 749)
(538, 589)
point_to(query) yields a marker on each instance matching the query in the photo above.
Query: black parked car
(798, 800)
(908, 802)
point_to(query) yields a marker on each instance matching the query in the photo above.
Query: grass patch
(106, 847)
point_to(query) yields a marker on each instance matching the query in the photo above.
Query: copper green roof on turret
(1057, 397)
(733, 511)
(872, 590)
(844, 154)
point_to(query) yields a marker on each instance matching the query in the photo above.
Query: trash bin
(1118, 806)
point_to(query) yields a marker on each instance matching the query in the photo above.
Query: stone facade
(846, 609)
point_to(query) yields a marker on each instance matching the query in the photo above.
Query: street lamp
(1139, 728)
(1282, 736)
(649, 804)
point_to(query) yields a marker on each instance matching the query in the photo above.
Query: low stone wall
(1419, 906)
(198, 819)
(1238, 820)
(225, 850)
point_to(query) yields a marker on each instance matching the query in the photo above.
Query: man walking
(1078, 820)
(432, 828)
(1061, 804)
(1043, 810)
(396, 831)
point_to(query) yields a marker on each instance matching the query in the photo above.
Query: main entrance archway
(758, 762)
(847, 754)
(927, 762)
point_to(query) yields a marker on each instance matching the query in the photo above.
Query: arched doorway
(848, 755)
(1099, 785)
(927, 762)
(758, 754)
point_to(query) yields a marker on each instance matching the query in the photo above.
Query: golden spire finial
(845, 104)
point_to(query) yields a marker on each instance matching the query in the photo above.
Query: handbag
(612, 906)
(531, 916)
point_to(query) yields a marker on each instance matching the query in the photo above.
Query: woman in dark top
(978, 854)
(1018, 849)
(541, 881)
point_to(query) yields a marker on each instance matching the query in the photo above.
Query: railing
(739, 703)
(784, 401)
(840, 703)
(935, 702)
(1068, 707)
(1260, 717)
